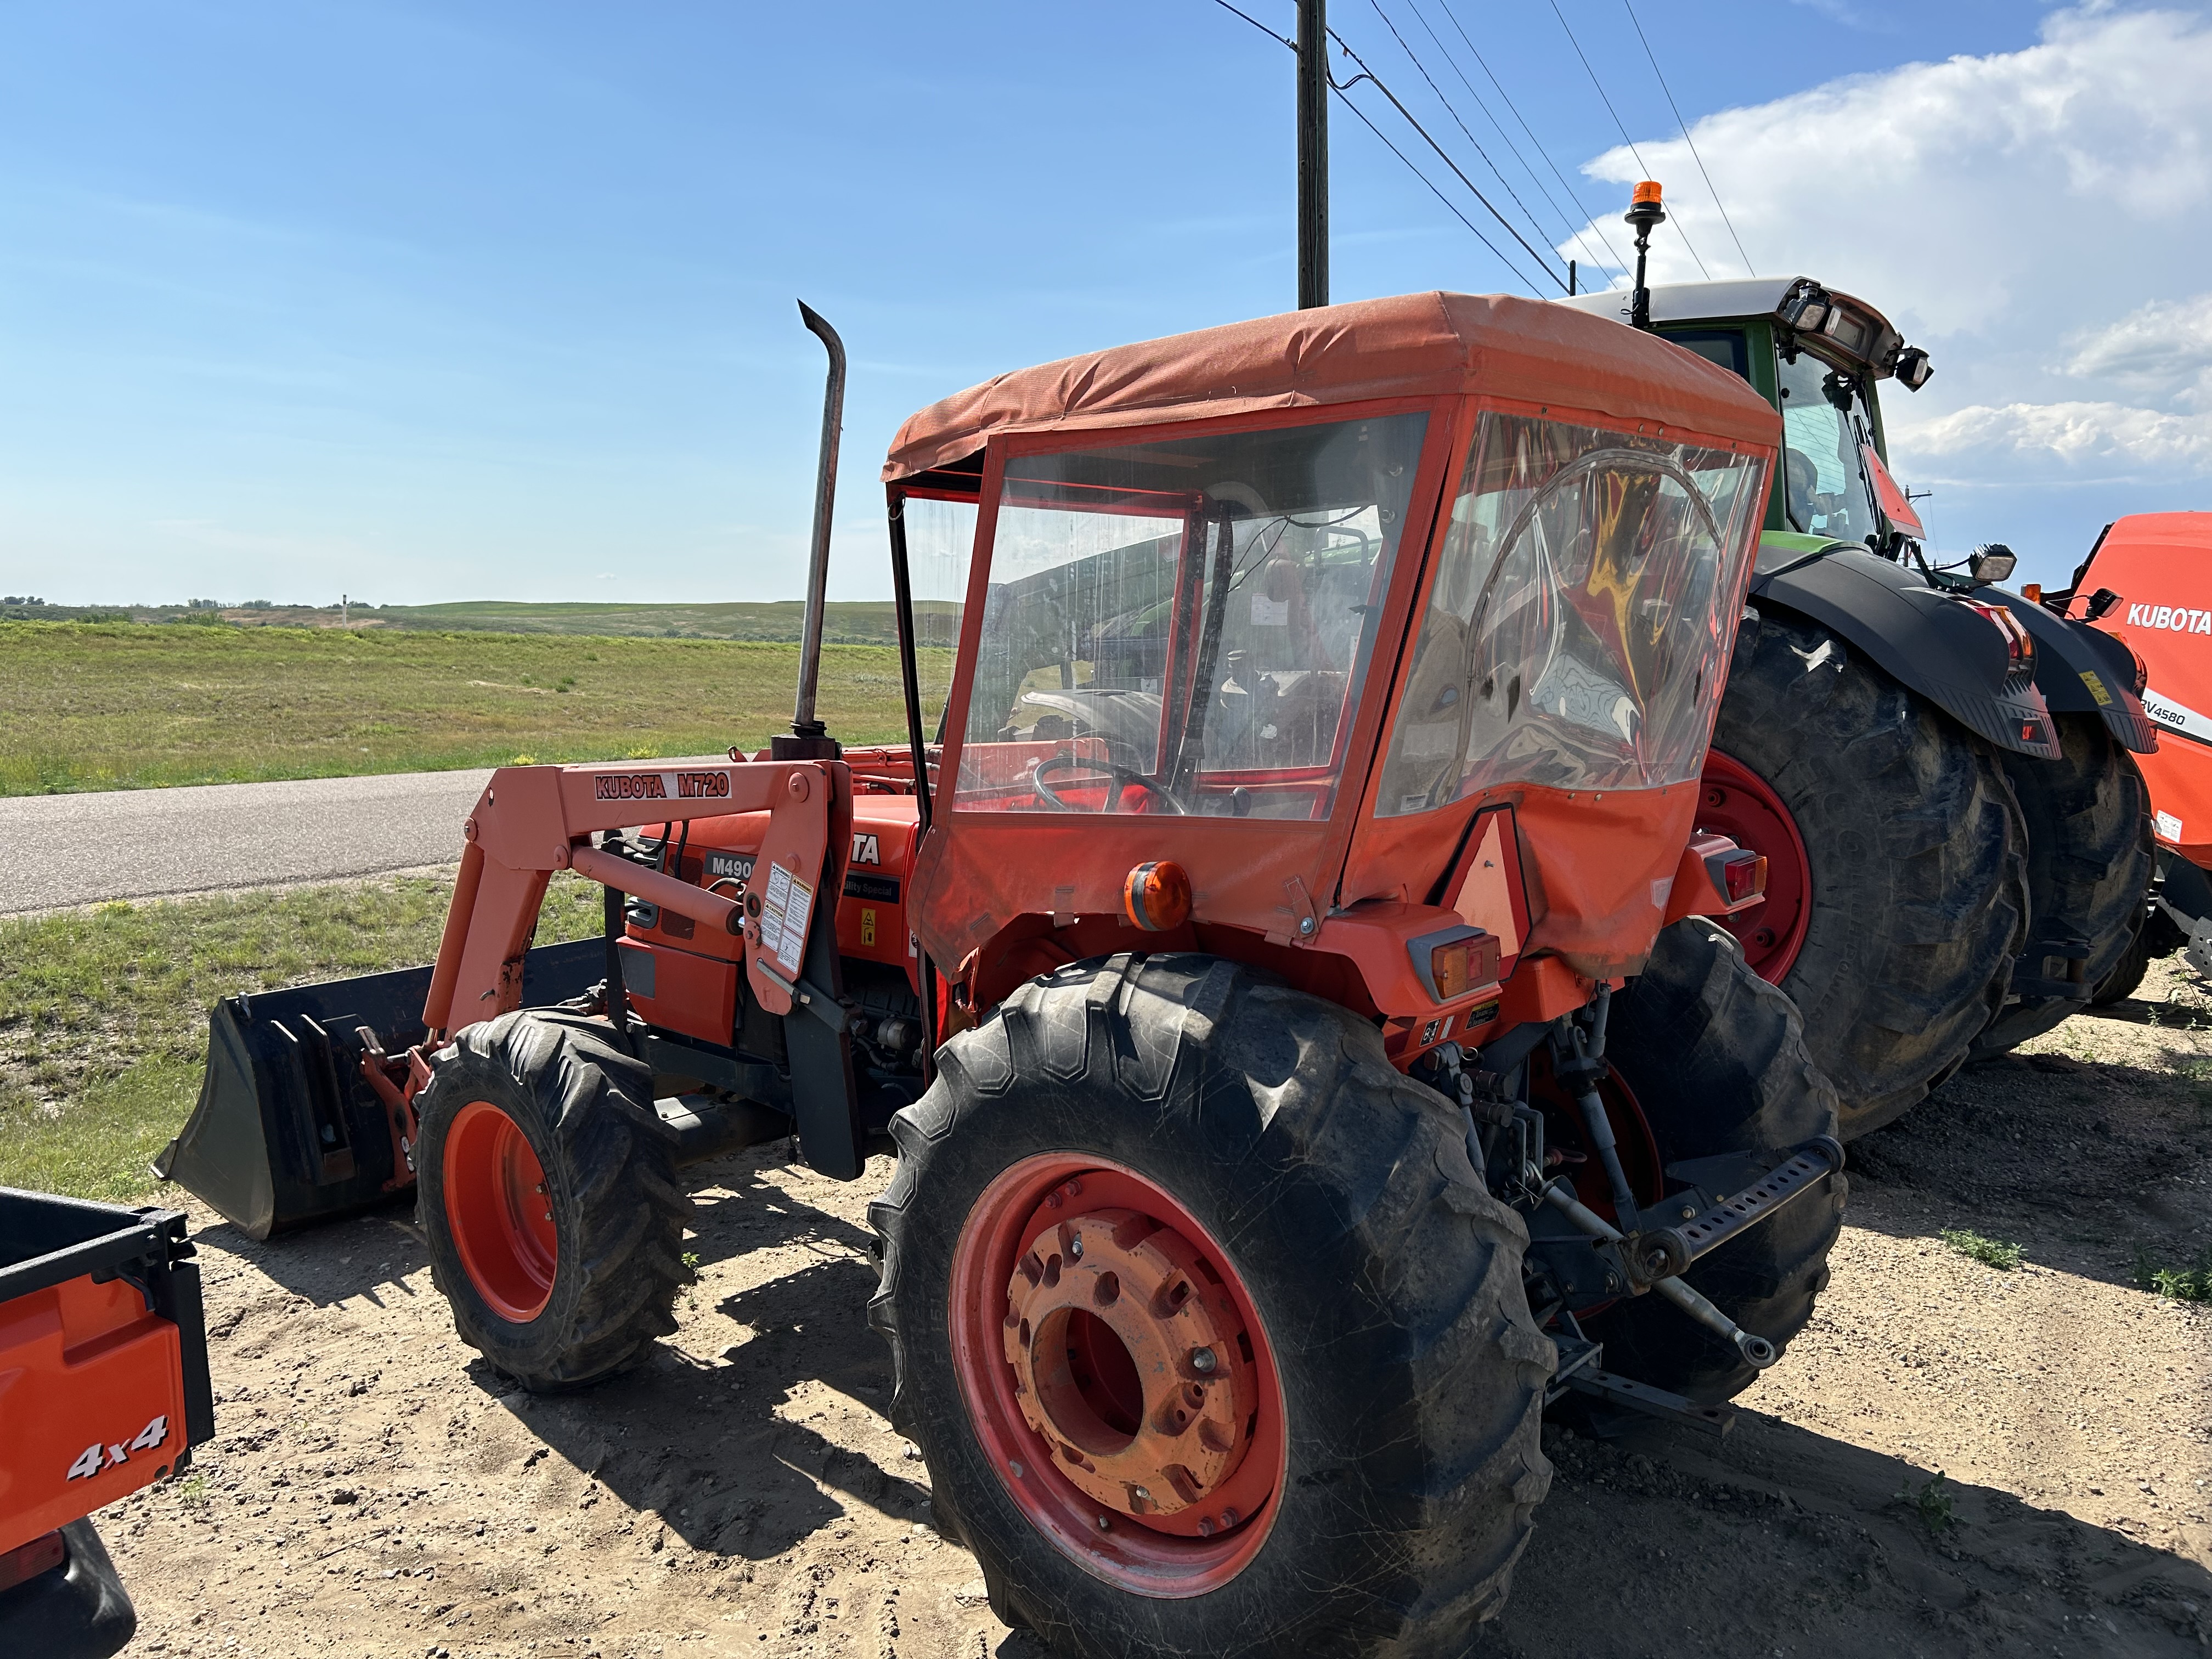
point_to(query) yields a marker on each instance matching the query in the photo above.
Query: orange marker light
(1157, 897)
(1646, 192)
(1448, 964)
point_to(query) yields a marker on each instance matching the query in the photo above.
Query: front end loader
(1284, 960)
(1939, 772)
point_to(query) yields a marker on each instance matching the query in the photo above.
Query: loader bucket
(288, 1131)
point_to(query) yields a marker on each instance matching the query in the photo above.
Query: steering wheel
(1119, 776)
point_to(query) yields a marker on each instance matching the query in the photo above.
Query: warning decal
(796, 910)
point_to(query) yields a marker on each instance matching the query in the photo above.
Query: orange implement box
(103, 1357)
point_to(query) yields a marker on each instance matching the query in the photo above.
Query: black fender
(2081, 670)
(1925, 640)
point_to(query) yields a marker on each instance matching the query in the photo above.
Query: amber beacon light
(1156, 896)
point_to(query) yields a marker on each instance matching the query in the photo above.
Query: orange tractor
(1279, 959)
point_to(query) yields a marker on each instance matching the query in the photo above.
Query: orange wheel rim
(1117, 1375)
(499, 1213)
(1742, 805)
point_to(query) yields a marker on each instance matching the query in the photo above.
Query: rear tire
(604, 1289)
(1716, 1058)
(1918, 895)
(1384, 1280)
(2089, 854)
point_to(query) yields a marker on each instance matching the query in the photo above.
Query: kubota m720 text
(1259, 957)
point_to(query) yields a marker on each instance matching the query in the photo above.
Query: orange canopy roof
(1415, 345)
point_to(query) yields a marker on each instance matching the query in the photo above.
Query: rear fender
(1926, 640)
(2081, 670)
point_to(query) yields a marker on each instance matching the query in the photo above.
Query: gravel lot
(376, 1491)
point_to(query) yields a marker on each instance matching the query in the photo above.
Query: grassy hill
(864, 621)
(129, 705)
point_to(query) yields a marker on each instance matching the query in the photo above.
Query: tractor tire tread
(1717, 1059)
(1268, 1104)
(611, 1174)
(1919, 867)
(2089, 858)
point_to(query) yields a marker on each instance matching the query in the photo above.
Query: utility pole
(1313, 154)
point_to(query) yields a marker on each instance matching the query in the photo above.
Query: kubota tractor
(1280, 959)
(1938, 771)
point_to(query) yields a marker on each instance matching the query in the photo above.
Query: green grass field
(123, 705)
(103, 1012)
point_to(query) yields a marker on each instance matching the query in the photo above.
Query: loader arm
(533, 820)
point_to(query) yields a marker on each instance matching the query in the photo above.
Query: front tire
(1908, 856)
(1715, 1058)
(1324, 1209)
(548, 1191)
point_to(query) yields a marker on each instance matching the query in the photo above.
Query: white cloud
(2113, 442)
(2034, 217)
(2167, 343)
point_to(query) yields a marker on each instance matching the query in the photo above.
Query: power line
(1258, 25)
(1367, 74)
(1383, 86)
(1686, 139)
(1623, 125)
(1566, 220)
(1449, 206)
(1589, 218)
(1533, 222)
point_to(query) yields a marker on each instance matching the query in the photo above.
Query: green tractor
(1937, 770)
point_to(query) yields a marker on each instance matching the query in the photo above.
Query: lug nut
(1202, 1360)
(1075, 1248)
(1105, 1525)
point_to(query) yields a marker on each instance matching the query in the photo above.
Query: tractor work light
(1992, 563)
(1456, 962)
(1807, 310)
(1913, 368)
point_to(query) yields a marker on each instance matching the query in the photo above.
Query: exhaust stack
(810, 739)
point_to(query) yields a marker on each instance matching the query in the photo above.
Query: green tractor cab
(1956, 837)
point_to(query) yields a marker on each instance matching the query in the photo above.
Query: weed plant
(1990, 1252)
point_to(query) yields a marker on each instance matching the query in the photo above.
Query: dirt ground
(375, 1490)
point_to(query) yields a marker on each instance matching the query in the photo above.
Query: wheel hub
(1132, 1362)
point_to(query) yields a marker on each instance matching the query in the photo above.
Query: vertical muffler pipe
(809, 738)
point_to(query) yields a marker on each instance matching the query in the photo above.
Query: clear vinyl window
(1183, 626)
(1579, 626)
(941, 540)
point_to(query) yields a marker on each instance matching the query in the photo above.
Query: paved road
(141, 843)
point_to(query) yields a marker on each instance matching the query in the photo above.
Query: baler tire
(1716, 1058)
(1339, 1195)
(586, 1108)
(1917, 862)
(2089, 856)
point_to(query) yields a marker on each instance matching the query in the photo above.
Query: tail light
(1744, 874)
(1465, 961)
(40, 1555)
(2020, 645)
(1740, 874)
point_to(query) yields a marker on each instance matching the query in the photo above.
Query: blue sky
(494, 300)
